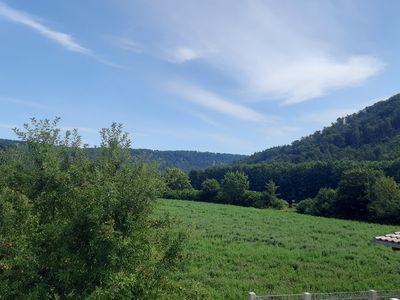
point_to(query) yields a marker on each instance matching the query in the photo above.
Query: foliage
(210, 190)
(176, 179)
(371, 134)
(272, 196)
(385, 206)
(233, 186)
(306, 206)
(185, 194)
(185, 160)
(253, 198)
(363, 194)
(296, 181)
(74, 227)
(324, 203)
(353, 193)
(235, 250)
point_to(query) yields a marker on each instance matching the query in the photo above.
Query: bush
(324, 202)
(73, 227)
(306, 206)
(187, 194)
(176, 179)
(210, 189)
(280, 204)
(253, 198)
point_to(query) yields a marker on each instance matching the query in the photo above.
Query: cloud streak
(215, 102)
(126, 44)
(61, 38)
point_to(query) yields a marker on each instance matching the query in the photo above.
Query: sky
(232, 76)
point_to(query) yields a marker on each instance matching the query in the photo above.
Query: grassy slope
(234, 250)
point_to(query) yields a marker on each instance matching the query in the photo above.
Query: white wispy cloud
(126, 43)
(284, 52)
(206, 119)
(183, 54)
(315, 77)
(215, 102)
(61, 38)
(14, 101)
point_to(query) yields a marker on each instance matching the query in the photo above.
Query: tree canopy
(72, 227)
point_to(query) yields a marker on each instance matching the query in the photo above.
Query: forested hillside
(349, 170)
(5, 144)
(185, 160)
(370, 134)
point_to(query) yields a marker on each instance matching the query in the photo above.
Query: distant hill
(185, 160)
(4, 144)
(371, 134)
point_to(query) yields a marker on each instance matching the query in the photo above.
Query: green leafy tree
(210, 189)
(271, 196)
(353, 193)
(176, 179)
(233, 187)
(324, 202)
(72, 227)
(253, 198)
(306, 206)
(385, 204)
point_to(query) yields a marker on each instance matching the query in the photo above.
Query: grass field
(234, 250)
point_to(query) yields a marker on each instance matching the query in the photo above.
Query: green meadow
(233, 250)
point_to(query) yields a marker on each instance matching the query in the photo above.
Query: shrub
(254, 198)
(281, 204)
(306, 206)
(324, 202)
(73, 227)
(186, 194)
(176, 179)
(210, 189)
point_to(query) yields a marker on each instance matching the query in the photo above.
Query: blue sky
(223, 76)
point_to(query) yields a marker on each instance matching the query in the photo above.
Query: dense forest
(185, 160)
(370, 134)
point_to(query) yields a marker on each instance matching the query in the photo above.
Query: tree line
(362, 194)
(296, 181)
(232, 189)
(359, 190)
